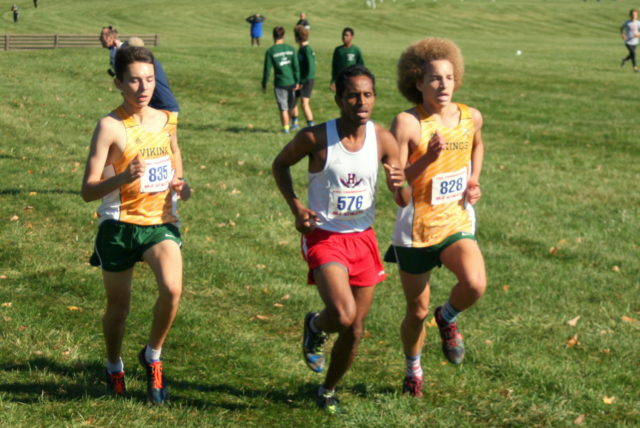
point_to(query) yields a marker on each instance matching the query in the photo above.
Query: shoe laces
(117, 382)
(452, 334)
(319, 340)
(156, 374)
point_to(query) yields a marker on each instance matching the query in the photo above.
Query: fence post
(56, 39)
(6, 41)
(157, 39)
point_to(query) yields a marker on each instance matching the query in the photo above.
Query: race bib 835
(157, 175)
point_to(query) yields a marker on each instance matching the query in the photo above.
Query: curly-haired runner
(441, 147)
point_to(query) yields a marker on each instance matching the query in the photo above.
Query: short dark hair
(110, 31)
(128, 55)
(278, 33)
(348, 73)
(302, 34)
(348, 30)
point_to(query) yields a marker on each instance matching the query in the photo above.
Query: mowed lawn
(554, 342)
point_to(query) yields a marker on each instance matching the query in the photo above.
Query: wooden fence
(55, 41)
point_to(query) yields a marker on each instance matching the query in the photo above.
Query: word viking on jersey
(148, 152)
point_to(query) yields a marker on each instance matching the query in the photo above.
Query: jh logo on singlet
(351, 181)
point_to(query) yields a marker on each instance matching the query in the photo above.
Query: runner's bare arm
(104, 137)
(302, 145)
(178, 183)
(392, 163)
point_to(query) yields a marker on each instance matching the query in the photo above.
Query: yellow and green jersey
(437, 208)
(148, 200)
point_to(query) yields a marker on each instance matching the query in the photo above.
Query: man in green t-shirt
(344, 55)
(284, 61)
(307, 60)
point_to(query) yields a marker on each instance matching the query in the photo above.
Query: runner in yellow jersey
(135, 166)
(441, 145)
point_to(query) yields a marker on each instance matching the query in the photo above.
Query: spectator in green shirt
(307, 60)
(345, 55)
(284, 61)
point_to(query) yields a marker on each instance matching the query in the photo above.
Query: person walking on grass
(284, 61)
(303, 21)
(630, 31)
(16, 13)
(338, 241)
(307, 61)
(344, 55)
(163, 97)
(441, 147)
(135, 166)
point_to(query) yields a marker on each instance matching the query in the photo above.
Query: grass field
(558, 222)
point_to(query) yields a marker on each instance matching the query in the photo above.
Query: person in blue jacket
(256, 21)
(162, 98)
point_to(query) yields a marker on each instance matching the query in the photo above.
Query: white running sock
(151, 354)
(116, 367)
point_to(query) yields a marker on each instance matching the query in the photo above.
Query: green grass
(561, 171)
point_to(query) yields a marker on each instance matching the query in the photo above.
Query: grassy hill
(558, 222)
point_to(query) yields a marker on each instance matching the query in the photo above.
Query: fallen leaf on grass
(6, 318)
(553, 250)
(33, 193)
(367, 334)
(625, 318)
(262, 317)
(488, 342)
(572, 322)
(278, 305)
(285, 297)
(573, 341)
(234, 192)
(22, 328)
(74, 308)
(37, 352)
(14, 218)
(27, 208)
(432, 323)
(7, 304)
(608, 400)
(259, 266)
(241, 163)
(3, 276)
(616, 268)
(507, 393)
(506, 287)
(579, 420)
